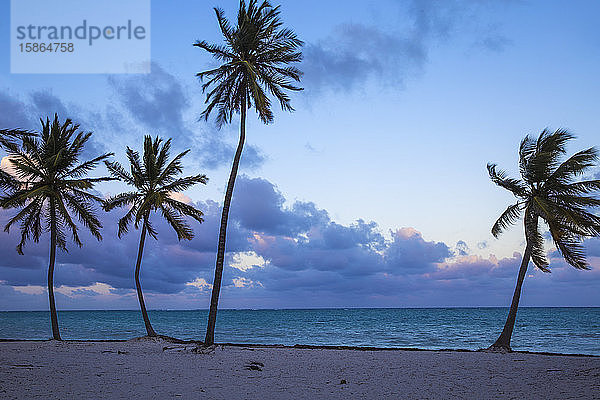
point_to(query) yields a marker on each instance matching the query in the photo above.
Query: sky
(372, 193)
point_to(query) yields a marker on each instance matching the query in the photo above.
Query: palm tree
(547, 191)
(255, 59)
(155, 181)
(49, 185)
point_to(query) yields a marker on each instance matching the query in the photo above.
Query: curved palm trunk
(503, 341)
(53, 316)
(149, 331)
(214, 300)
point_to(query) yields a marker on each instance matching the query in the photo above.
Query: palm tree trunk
(53, 315)
(214, 300)
(503, 341)
(149, 331)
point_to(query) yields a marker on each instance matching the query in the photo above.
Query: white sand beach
(145, 370)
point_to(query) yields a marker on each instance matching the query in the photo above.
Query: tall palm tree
(255, 60)
(50, 185)
(155, 180)
(548, 192)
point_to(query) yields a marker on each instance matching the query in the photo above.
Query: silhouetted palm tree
(155, 180)
(50, 184)
(547, 191)
(255, 61)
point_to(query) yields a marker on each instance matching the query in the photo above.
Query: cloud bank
(283, 256)
(355, 53)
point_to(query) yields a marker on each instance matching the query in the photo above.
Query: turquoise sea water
(561, 330)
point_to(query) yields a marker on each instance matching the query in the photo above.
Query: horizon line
(303, 309)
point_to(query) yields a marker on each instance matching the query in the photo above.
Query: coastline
(162, 369)
(304, 346)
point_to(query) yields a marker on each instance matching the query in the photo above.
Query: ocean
(559, 330)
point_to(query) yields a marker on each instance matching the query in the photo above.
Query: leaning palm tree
(155, 180)
(255, 60)
(548, 192)
(49, 184)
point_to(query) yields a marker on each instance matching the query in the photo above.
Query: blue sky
(373, 192)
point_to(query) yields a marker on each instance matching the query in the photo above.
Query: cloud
(47, 104)
(14, 112)
(156, 100)
(259, 206)
(42, 104)
(282, 254)
(462, 249)
(157, 103)
(410, 253)
(355, 53)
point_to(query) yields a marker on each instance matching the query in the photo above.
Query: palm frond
(178, 224)
(83, 168)
(508, 218)
(574, 166)
(500, 178)
(125, 221)
(185, 209)
(181, 184)
(535, 241)
(569, 246)
(121, 200)
(117, 171)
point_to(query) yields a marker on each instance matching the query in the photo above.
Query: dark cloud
(296, 238)
(462, 249)
(410, 253)
(47, 104)
(43, 104)
(13, 113)
(153, 104)
(280, 255)
(157, 102)
(259, 206)
(355, 53)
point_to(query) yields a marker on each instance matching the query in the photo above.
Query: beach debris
(204, 349)
(178, 349)
(255, 366)
(191, 348)
(117, 352)
(343, 382)
(26, 366)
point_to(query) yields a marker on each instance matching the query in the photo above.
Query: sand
(145, 370)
